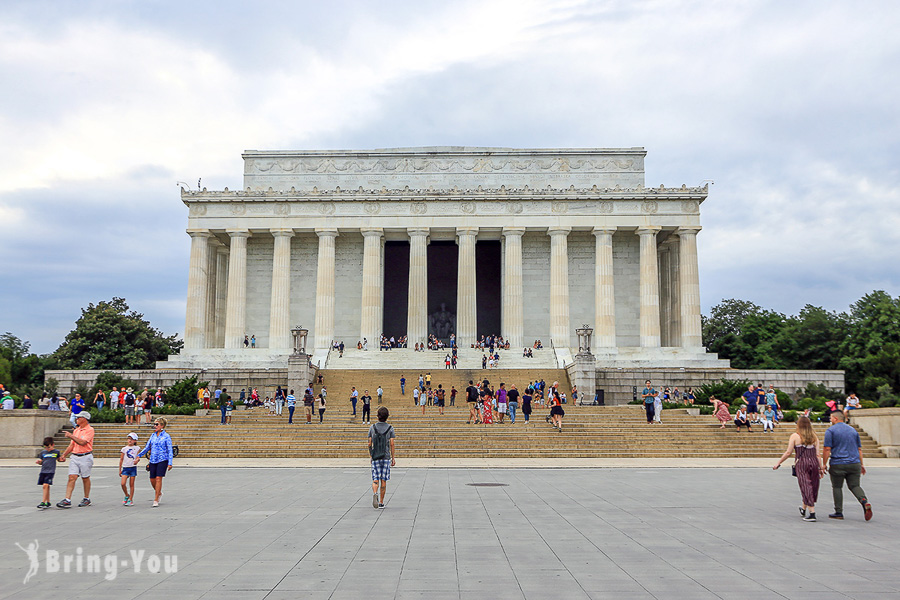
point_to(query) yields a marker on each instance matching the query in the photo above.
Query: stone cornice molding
(448, 194)
(327, 232)
(461, 231)
(234, 233)
(196, 232)
(413, 231)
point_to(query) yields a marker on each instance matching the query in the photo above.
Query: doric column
(466, 307)
(559, 286)
(417, 311)
(280, 312)
(604, 290)
(689, 272)
(513, 309)
(209, 336)
(324, 328)
(221, 294)
(236, 304)
(198, 282)
(649, 288)
(371, 321)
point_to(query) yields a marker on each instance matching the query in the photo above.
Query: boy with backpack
(381, 450)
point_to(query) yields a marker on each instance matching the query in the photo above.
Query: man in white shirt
(114, 399)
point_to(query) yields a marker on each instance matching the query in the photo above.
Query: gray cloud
(789, 107)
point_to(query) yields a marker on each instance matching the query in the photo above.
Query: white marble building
(529, 243)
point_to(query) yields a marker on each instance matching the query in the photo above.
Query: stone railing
(883, 425)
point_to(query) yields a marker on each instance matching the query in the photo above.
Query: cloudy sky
(791, 108)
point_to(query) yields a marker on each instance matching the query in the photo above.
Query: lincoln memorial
(530, 244)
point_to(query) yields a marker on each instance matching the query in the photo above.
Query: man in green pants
(843, 448)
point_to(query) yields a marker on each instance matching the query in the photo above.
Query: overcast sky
(790, 107)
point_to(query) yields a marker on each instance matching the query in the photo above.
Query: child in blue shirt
(48, 459)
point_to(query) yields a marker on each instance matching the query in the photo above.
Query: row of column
(216, 305)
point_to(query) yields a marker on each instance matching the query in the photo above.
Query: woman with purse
(808, 467)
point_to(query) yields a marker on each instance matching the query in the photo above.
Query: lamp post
(584, 339)
(299, 335)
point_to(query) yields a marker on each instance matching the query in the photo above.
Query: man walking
(844, 450)
(649, 395)
(512, 399)
(472, 401)
(81, 448)
(402, 385)
(224, 397)
(381, 451)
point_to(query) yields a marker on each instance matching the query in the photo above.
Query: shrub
(817, 404)
(818, 390)
(106, 415)
(51, 385)
(790, 416)
(726, 388)
(106, 381)
(184, 391)
(868, 404)
(174, 409)
(886, 397)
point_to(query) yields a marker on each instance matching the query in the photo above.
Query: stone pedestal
(585, 376)
(22, 431)
(299, 374)
(883, 424)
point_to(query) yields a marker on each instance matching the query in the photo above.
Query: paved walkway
(248, 533)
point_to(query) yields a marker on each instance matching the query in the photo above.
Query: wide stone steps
(467, 358)
(610, 432)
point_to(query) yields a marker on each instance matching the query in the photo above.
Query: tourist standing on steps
(649, 396)
(81, 447)
(472, 401)
(657, 408)
(354, 398)
(161, 456)
(439, 396)
(224, 397)
(380, 393)
(382, 454)
(367, 407)
(526, 403)
(415, 396)
(279, 400)
(843, 455)
(291, 404)
(501, 402)
(453, 393)
(808, 466)
(402, 385)
(322, 407)
(512, 400)
(308, 402)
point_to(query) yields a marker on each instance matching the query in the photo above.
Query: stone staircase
(588, 431)
(404, 358)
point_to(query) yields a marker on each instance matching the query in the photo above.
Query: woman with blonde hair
(159, 446)
(808, 466)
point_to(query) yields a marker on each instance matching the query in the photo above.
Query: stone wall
(22, 431)
(618, 384)
(265, 380)
(260, 250)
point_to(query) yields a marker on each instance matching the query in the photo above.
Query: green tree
(871, 351)
(811, 340)
(108, 336)
(742, 331)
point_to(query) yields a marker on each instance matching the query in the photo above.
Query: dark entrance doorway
(443, 262)
(396, 288)
(488, 296)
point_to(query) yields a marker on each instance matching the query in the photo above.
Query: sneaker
(381, 505)
(43, 505)
(802, 511)
(810, 517)
(155, 504)
(374, 500)
(125, 499)
(84, 502)
(868, 511)
(839, 516)
(64, 504)
(129, 503)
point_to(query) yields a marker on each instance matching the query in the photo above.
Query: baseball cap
(133, 436)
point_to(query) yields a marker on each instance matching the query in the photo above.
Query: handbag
(794, 470)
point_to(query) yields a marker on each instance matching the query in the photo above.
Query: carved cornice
(684, 193)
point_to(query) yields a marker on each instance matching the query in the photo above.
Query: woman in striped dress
(808, 465)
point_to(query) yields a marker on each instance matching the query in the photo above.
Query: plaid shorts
(381, 470)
